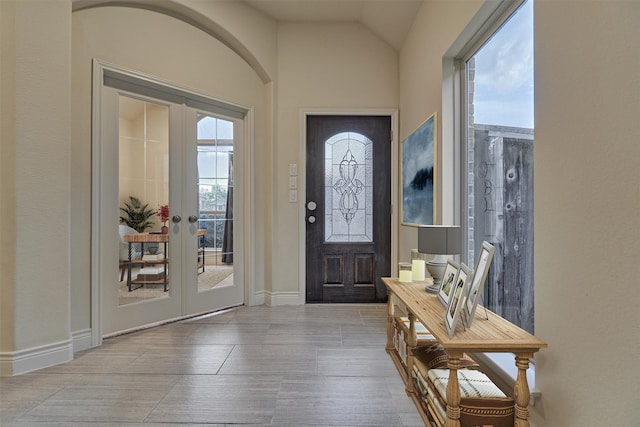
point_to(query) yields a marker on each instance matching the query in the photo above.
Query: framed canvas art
(479, 277)
(448, 279)
(418, 173)
(456, 300)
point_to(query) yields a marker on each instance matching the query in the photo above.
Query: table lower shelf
(142, 282)
(412, 394)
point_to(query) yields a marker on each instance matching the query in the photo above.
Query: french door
(170, 242)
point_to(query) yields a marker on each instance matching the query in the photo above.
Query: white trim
(258, 298)
(82, 339)
(249, 215)
(273, 299)
(96, 198)
(302, 183)
(32, 359)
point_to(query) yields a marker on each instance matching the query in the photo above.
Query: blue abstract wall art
(418, 174)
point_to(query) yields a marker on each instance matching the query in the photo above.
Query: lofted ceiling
(388, 19)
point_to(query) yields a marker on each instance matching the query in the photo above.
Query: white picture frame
(448, 279)
(479, 278)
(457, 298)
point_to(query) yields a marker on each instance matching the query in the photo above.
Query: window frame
(488, 20)
(492, 25)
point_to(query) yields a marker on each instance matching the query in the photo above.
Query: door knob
(193, 218)
(311, 219)
(176, 218)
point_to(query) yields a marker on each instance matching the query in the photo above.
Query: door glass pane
(215, 202)
(500, 165)
(143, 189)
(348, 158)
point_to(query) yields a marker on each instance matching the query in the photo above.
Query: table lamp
(441, 241)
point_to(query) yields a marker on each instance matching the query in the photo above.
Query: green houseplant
(136, 215)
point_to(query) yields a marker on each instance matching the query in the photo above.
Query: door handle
(193, 218)
(176, 219)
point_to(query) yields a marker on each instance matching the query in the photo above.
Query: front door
(348, 208)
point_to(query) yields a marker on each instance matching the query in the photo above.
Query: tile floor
(312, 365)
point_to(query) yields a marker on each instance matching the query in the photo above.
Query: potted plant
(136, 215)
(163, 213)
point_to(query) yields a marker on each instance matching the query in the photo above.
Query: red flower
(163, 213)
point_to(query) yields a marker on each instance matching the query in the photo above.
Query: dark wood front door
(348, 208)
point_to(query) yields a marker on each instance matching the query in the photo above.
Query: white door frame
(98, 182)
(302, 183)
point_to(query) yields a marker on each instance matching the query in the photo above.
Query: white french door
(150, 153)
(213, 143)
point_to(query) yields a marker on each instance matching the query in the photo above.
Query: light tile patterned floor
(312, 365)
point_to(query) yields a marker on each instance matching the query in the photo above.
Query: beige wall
(7, 176)
(587, 190)
(434, 30)
(36, 95)
(337, 66)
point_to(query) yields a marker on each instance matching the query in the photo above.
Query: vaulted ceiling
(389, 19)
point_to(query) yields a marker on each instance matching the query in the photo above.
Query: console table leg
(390, 315)
(521, 393)
(453, 390)
(129, 268)
(412, 342)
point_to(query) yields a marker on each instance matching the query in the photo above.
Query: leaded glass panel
(348, 188)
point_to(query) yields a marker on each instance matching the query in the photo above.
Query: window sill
(502, 370)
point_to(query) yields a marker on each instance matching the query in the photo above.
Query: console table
(143, 238)
(490, 333)
(201, 233)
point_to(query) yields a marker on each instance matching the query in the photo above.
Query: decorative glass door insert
(348, 188)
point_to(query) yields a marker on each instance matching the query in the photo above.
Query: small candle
(404, 271)
(417, 270)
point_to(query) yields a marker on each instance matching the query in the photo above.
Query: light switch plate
(293, 182)
(293, 196)
(293, 169)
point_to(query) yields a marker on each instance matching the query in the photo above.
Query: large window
(498, 82)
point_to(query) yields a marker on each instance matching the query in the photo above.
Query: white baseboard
(81, 340)
(273, 299)
(32, 359)
(258, 299)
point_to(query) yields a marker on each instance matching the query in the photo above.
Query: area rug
(213, 276)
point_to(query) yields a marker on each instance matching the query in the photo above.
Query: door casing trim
(302, 183)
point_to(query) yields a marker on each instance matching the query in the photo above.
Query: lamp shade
(439, 239)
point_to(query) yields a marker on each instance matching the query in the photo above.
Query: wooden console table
(492, 335)
(143, 238)
(201, 261)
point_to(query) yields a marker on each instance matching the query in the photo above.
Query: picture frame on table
(448, 279)
(457, 298)
(418, 172)
(479, 278)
